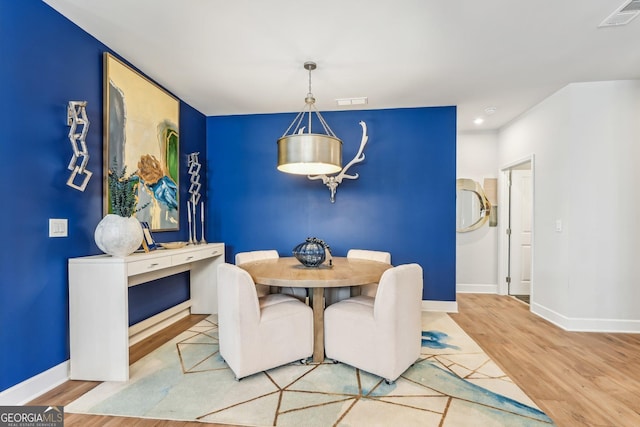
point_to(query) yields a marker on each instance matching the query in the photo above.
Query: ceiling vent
(343, 102)
(623, 15)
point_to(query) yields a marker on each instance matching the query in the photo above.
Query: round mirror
(472, 205)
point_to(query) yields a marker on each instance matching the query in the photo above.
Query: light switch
(58, 227)
(558, 226)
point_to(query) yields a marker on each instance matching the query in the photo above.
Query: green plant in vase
(119, 233)
(123, 192)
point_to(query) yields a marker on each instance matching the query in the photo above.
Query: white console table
(99, 330)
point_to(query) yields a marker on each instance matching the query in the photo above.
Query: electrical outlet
(58, 227)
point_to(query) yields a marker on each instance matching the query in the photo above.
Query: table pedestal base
(318, 325)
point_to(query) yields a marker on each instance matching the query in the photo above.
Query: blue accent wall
(47, 62)
(403, 202)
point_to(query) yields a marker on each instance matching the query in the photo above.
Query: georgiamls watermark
(31, 416)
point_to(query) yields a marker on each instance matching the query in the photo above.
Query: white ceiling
(246, 56)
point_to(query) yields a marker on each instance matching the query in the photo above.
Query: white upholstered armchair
(256, 334)
(242, 257)
(333, 295)
(369, 290)
(380, 335)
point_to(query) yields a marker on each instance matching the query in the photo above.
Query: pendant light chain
(310, 100)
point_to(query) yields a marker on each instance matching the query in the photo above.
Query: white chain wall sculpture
(333, 181)
(77, 118)
(194, 190)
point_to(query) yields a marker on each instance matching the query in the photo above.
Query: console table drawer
(186, 257)
(211, 251)
(145, 266)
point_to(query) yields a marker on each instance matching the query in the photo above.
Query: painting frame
(141, 133)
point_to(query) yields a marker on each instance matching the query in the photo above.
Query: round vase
(118, 236)
(311, 253)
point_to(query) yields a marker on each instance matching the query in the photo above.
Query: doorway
(518, 230)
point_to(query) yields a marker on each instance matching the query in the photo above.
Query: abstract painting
(141, 133)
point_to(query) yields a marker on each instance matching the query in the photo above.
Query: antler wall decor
(333, 181)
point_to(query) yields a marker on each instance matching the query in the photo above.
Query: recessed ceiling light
(490, 110)
(479, 121)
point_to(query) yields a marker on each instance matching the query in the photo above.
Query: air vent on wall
(623, 15)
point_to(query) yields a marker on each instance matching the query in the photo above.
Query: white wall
(476, 251)
(586, 141)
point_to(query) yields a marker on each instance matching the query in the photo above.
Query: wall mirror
(472, 206)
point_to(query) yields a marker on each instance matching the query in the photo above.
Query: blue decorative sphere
(311, 252)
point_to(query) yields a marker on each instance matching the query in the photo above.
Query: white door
(520, 238)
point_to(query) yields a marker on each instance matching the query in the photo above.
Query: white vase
(118, 236)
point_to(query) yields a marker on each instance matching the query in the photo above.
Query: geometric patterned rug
(453, 384)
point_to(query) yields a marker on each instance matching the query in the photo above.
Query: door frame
(503, 213)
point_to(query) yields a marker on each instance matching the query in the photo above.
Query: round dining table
(289, 272)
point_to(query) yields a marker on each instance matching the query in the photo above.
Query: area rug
(454, 383)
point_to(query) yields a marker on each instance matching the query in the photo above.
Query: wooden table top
(289, 272)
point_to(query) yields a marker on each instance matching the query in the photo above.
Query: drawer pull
(188, 258)
(155, 264)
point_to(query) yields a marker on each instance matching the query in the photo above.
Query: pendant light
(302, 152)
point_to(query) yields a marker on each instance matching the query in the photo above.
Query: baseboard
(26, 391)
(470, 288)
(158, 322)
(575, 324)
(446, 306)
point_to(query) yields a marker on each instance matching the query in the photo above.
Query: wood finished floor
(578, 379)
